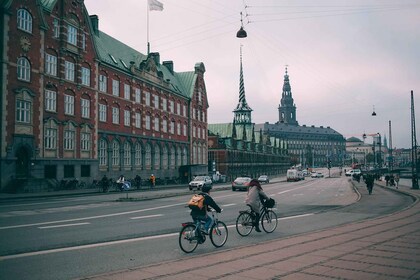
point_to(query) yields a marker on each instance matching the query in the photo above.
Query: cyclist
(253, 199)
(198, 214)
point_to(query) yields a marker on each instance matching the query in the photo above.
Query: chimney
(95, 23)
(169, 65)
(156, 57)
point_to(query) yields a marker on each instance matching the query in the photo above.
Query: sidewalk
(387, 247)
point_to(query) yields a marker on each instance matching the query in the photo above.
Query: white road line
(58, 250)
(93, 217)
(227, 205)
(145, 217)
(67, 225)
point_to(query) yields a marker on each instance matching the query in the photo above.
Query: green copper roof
(48, 4)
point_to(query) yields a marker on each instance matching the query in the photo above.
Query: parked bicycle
(268, 220)
(193, 233)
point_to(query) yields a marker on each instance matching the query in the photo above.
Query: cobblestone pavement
(387, 247)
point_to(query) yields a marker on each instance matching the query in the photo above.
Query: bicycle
(245, 220)
(190, 237)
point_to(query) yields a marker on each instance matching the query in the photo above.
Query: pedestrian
(104, 183)
(152, 180)
(369, 182)
(397, 180)
(137, 181)
(392, 180)
(253, 199)
(387, 177)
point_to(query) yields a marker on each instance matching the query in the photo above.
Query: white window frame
(115, 153)
(85, 106)
(127, 154)
(164, 125)
(171, 106)
(69, 70)
(137, 95)
(24, 20)
(23, 69)
(69, 140)
(85, 141)
(50, 64)
(147, 97)
(50, 138)
(103, 83)
(84, 41)
(178, 128)
(50, 101)
(115, 87)
(137, 122)
(56, 28)
(85, 76)
(68, 104)
(156, 101)
(103, 153)
(115, 115)
(164, 104)
(102, 113)
(147, 121)
(23, 111)
(138, 154)
(172, 129)
(127, 91)
(127, 117)
(71, 34)
(156, 124)
(178, 109)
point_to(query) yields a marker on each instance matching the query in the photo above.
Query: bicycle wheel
(187, 239)
(218, 234)
(244, 224)
(269, 221)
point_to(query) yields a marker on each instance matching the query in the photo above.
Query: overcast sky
(344, 57)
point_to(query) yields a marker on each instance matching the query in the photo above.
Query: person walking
(397, 180)
(253, 199)
(152, 181)
(137, 181)
(369, 182)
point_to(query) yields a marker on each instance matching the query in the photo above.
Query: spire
(242, 112)
(287, 108)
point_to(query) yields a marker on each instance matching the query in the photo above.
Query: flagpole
(148, 44)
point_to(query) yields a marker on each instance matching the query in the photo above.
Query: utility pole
(415, 183)
(390, 159)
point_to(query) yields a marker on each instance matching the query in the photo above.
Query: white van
(292, 175)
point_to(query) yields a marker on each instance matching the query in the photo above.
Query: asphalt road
(65, 238)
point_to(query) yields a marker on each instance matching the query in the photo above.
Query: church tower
(242, 112)
(287, 108)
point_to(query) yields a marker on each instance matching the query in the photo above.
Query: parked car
(317, 175)
(263, 179)
(241, 183)
(350, 173)
(199, 181)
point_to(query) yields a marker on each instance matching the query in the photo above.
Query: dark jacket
(208, 201)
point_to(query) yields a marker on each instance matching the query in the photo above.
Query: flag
(155, 5)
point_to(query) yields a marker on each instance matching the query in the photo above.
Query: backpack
(196, 202)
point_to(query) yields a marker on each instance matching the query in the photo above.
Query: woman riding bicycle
(253, 199)
(198, 214)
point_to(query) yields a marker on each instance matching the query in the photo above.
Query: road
(71, 237)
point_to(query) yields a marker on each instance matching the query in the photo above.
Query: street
(69, 237)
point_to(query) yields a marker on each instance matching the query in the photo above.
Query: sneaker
(257, 229)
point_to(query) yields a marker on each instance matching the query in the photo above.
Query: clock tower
(287, 108)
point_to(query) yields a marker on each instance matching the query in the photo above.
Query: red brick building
(77, 103)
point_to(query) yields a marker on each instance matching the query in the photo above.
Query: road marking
(227, 205)
(88, 246)
(67, 225)
(145, 217)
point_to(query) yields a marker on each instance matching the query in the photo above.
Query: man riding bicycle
(253, 199)
(201, 214)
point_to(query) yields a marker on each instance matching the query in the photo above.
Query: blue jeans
(208, 221)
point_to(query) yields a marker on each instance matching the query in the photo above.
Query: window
(165, 158)
(138, 95)
(137, 155)
(23, 111)
(68, 104)
(115, 115)
(156, 101)
(69, 70)
(102, 83)
(50, 101)
(171, 106)
(51, 64)
(24, 20)
(172, 127)
(85, 76)
(147, 122)
(102, 154)
(198, 132)
(178, 109)
(147, 96)
(85, 141)
(148, 156)
(185, 110)
(165, 125)
(116, 87)
(23, 69)
(115, 153)
(84, 41)
(178, 128)
(50, 138)
(138, 120)
(102, 112)
(69, 137)
(156, 124)
(157, 157)
(126, 117)
(127, 91)
(85, 103)
(164, 104)
(127, 154)
(56, 28)
(184, 130)
(72, 35)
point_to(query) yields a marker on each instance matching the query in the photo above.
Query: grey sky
(343, 57)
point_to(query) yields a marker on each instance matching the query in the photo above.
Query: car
(263, 179)
(317, 175)
(241, 183)
(199, 181)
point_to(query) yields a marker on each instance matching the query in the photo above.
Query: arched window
(137, 155)
(127, 154)
(115, 153)
(172, 159)
(194, 155)
(165, 157)
(157, 157)
(102, 153)
(148, 156)
(184, 156)
(24, 20)
(178, 159)
(23, 69)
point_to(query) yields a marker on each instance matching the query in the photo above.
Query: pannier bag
(196, 202)
(269, 203)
